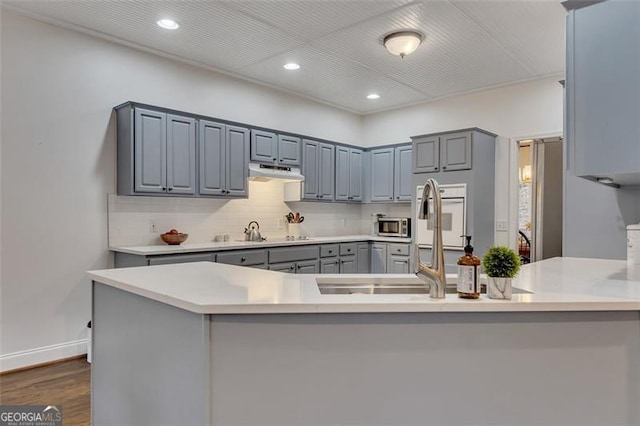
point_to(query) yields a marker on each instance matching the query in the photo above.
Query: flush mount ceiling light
(402, 43)
(373, 96)
(168, 24)
(291, 66)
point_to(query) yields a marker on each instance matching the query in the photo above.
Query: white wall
(58, 165)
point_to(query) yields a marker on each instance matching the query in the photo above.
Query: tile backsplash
(131, 218)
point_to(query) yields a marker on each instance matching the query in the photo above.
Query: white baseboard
(41, 355)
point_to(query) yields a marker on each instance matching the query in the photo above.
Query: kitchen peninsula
(207, 343)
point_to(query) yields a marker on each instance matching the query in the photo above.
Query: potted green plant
(501, 264)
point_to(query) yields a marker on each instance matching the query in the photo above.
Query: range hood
(265, 173)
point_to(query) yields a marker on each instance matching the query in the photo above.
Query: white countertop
(560, 284)
(233, 245)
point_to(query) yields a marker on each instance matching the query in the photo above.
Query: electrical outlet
(502, 225)
(153, 228)
(280, 223)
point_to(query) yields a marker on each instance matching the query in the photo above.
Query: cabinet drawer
(398, 249)
(243, 257)
(329, 250)
(293, 254)
(180, 258)
(283, 267)
(349, 248)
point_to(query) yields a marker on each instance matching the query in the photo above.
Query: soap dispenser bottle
(468, 273)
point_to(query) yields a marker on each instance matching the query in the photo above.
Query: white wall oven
(454, 217)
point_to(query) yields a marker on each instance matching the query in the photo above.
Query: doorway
(539, 210)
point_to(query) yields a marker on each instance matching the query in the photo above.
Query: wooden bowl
(174, 239)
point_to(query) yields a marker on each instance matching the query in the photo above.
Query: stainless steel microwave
(394, 227)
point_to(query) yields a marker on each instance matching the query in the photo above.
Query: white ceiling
(469, 45)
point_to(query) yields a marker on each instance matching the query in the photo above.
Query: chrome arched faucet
(432, 274)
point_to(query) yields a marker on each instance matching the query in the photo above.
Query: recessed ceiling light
(373, 96)
(291, 66)
(168, 24)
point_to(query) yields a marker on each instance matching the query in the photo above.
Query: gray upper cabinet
(150, 151)
(264, 147)
(427, 154)
(270, 148)
(224, 157)
(443, 152)
(348, 174)
(318, 168)
(455, 151)
(288, 150)
(355, 175)
(602, 91)
(403, 177)
(156, 152)
(382, 174)
(391, 174)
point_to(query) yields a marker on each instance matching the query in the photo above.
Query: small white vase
(499, 288)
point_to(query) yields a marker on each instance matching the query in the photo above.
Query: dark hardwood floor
(66, 384)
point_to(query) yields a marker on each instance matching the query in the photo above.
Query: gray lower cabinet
(446, 152)
(271, 148)
(348, 264)
(379, 258)
(398, 264)
(349, 169)
(364, 258)
(296, 259)
(330, 265)
(156, 152)
(257, 257)
(224, 158)
(318, 168)
(602, 91)
(126, 260)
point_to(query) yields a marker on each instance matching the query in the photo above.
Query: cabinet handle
(398, 250)
(274, 159)
(321, 196)
(291, 267)
(391, 198)
(397, 198)
(349, 250)
(164, 188)
(443, 168)
(169, 189)
(337, 263)
(330, 251)
(242, 259)
(435, 168)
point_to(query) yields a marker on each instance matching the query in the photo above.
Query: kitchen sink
(390, 285)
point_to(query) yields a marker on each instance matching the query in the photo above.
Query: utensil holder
(294, 230)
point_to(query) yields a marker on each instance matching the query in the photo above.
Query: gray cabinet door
(398, 265)
(288, 150)
(355, 175)
(289, 267)
(330, 265)
(308, 267)
(326, 172)
(181, 258)
(382, 174)
(348, 264)
(310, 161)
(426, 154)
(264, 147)
(603, 90)
(403, 188)
(342, 173)
(181, 155)
(378, 258)
(237, 158)
(212, 143)
(150, 146)
(364, 258)
(455, 151)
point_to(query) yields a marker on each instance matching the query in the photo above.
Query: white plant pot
(499, 288)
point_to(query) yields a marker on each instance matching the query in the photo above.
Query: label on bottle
(468, 279)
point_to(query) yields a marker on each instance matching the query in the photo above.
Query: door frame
(514, 178)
